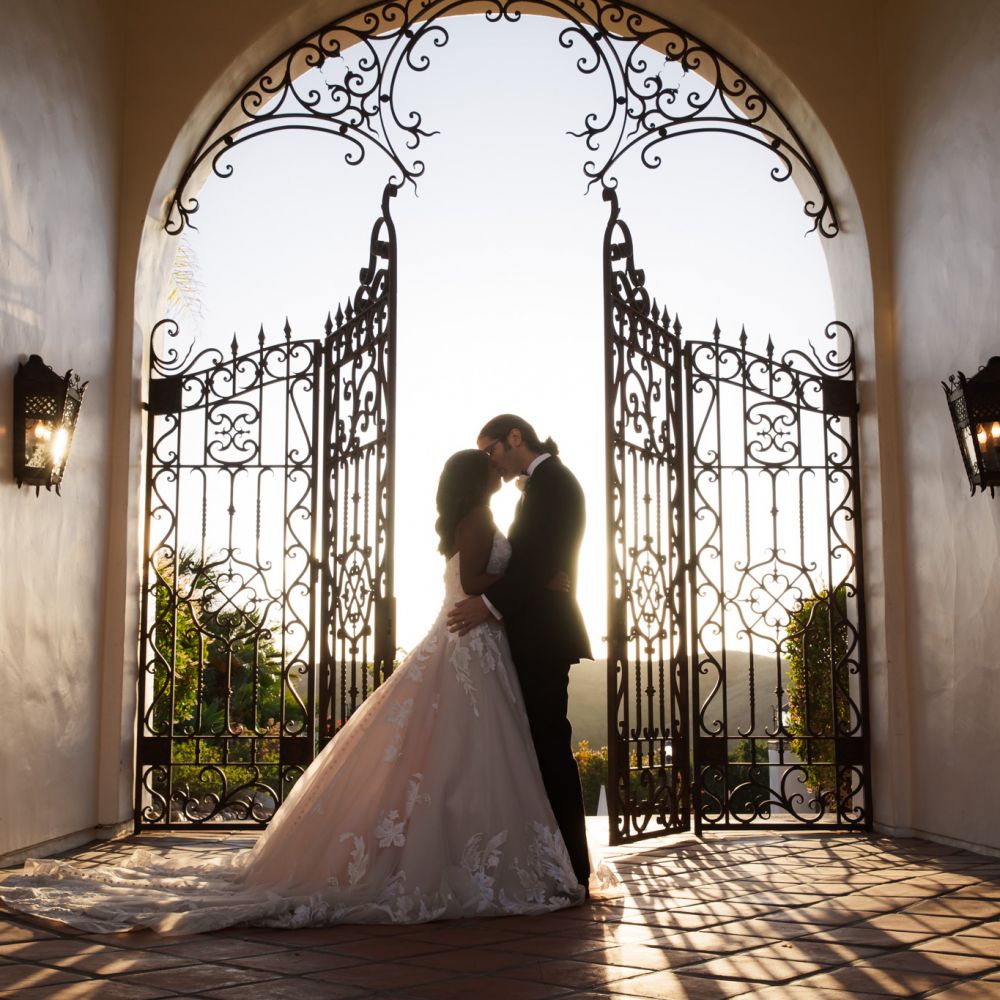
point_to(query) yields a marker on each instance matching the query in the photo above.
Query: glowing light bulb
(59, 446)
(981, 436)
(42, 432)
(995, 430)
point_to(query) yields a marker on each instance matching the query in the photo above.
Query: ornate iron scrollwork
(769, 591)
(348, 80)
(238, 610)
(226, 702)
(647, 657)
(779, 683)
(358, 626)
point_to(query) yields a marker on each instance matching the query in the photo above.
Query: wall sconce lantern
(46, 406)
(975, 412)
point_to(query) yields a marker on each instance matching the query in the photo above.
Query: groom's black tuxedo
(546, 634)
(545, 538)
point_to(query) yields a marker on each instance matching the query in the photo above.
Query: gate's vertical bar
(813, 698)
(695, 700)
(617, 774)
(175, 574)
(720, 758)
(859, 576)
(328, 535)
(385, 608)
(164, 398)
(681, 715)
(315, 586)
(144, 613)
(849, 409)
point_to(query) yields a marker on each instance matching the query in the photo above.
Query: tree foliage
(218, 674)
(816, 644)
(593, 767)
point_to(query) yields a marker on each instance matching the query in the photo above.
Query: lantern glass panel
(971, 451)
(39, 437)
(988, 436)
(41, 424)
(64, 435)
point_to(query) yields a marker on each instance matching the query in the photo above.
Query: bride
(429, 803)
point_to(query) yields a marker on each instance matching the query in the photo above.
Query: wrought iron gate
(648, 776)
(358, 625)
(267, 555)
(772, 600)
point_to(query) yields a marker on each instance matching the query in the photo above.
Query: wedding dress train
(428, 804)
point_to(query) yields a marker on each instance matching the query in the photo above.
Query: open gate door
(746, 466)
(358, 635)
(267, 606)
(648, 754)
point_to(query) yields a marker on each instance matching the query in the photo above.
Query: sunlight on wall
(500, 269)
(18, 259)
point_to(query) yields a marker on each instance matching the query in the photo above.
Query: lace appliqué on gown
(428, 804)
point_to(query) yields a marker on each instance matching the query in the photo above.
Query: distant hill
(588, 697)
(588, 702)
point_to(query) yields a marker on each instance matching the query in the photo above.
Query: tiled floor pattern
(809, 916)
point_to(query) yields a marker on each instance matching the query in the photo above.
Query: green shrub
(217, 673)
(233, 647)
(816, 643)
(593, 767)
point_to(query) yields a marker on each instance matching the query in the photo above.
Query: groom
(544, 626)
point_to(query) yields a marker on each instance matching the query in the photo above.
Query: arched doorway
(652, 784)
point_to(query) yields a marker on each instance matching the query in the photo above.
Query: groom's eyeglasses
(490, 449)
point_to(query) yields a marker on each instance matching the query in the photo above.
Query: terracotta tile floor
(777, 916)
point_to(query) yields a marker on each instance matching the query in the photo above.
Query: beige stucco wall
(875, 100)
(59, 123)
(944, 189)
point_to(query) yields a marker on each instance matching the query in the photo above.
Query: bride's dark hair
(464, 484)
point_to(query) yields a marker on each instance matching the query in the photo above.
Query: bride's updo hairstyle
(464, 484)
(500, 427)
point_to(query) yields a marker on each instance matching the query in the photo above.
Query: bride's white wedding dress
(428, 804)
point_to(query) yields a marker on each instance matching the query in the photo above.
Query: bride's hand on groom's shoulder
(467, 614)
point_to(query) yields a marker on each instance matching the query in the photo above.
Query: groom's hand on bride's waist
(467, 614)
(473, 611)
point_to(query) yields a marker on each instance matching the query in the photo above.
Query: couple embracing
(452, 791)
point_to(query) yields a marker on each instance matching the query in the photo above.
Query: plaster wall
(59, 133)
(943, 76)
